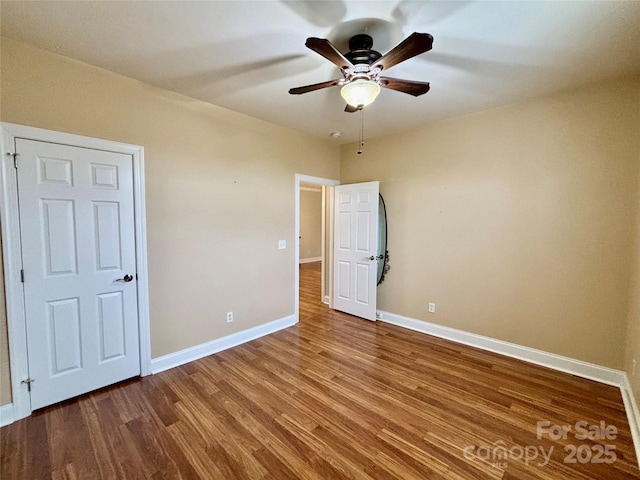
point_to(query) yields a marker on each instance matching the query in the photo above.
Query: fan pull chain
(361, 131)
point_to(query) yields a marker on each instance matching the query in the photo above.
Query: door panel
(78, 240)
(58, 236)
(363, 239)
(63, 336)
(107, 221)
(344, 286)
(362, 283)
(112, 326)
(355, 242)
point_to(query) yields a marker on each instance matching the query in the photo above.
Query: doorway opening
(314, 244)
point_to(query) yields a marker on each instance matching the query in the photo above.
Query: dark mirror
(383, 253)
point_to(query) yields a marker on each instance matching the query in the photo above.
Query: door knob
(126, 278)
(372, 257)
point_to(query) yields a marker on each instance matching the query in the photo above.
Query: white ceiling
(245, 55)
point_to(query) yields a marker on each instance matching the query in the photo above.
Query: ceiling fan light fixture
(360, 93)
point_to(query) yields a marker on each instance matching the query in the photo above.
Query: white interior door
(355, 249)
(78, 248)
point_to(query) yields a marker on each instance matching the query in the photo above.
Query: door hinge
(15, 158)
(22, 276)
(28, 381)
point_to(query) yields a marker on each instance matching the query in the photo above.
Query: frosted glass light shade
(360, 93)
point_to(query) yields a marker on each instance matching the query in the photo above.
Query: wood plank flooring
(310, 292)
(333, 397)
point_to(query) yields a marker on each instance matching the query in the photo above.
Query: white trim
(13, 254)
(326, 299)
(187, 355)
(310, 259)
(633, 415)
(328, 264)
(6, 415)
(531, 355)
(299, 178)
(311, 189)
(323, 241)
(142, 280)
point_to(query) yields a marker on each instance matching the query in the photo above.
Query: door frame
(12, 256)
(326, 182)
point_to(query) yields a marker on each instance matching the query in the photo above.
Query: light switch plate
(282, 244)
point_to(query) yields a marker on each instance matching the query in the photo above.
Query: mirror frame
(383, 252)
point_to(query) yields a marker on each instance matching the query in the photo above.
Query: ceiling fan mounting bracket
(361, 41)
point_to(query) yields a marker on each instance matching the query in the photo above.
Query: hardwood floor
(333, 397)
(310, 292)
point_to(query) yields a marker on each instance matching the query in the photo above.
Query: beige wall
(214, 178)
(633, 327)
(310, 224)
(518, 222)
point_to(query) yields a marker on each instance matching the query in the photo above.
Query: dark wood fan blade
(325, 48)
(350, 108)
(315, 86)
(405, 86)
(413, 45)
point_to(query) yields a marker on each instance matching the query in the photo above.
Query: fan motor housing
(360, 50)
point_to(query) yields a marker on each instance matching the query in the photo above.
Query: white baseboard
(591, 371)
(311, 260)
(194, 353)
(6, 415)
(633, 414)
(326, 299)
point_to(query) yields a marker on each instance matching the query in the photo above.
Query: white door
(355, 248)
(78, 249)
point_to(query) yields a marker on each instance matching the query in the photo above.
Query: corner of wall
(632, 344)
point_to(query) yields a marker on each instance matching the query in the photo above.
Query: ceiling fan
(362, 66)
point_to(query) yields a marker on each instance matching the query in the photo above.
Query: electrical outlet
(633, 367)
(432, 308)
(229, 317)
